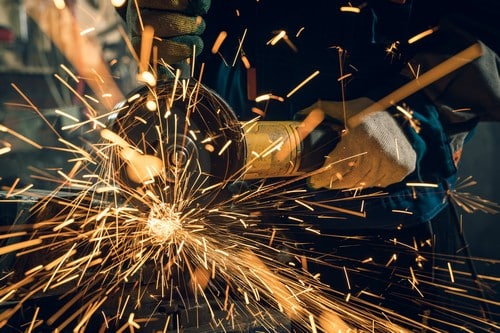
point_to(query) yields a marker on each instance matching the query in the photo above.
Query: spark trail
(158, 229)
(152, 230)
(155, 229)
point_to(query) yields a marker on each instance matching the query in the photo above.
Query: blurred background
(29, 61)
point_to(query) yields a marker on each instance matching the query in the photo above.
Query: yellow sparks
(461, 110)
(209, 148)
(246, 62)
(293, 218)
(23, 190)
(266, 97)
(451, 64)
(104, 189)
(118, 3)
(404, 112)
(131, 321)
(70, 73)
(303, 83)
(19, 246)
(12, 187)
(120, 229)
(63, 225)
(415, 287)
(299, 32)
(86, 31)
(277, 38)
(218, 42)
(343, 77)
(60, 4)
(66, 115)
(20, 136)
(13, 234)
(414, 184)
(413, 277)
(304, 205)
(8, 295)
(402, 211)
(350, 9)
(141, 120)
(391, 259)
(240, 44)
(133, 98)
(414, 72)
(5, 150)
(450, 270)
(151, 105)
(147, 77)
(347, 278)
(146, 46)
(421, 35)
(226, 145)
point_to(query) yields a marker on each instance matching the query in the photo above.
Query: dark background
(480, 160)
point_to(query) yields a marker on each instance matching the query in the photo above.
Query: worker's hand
(376, 153)
(177, 26)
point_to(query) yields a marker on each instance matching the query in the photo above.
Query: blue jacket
(442, 131)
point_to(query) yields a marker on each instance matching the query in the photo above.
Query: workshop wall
(481, 161)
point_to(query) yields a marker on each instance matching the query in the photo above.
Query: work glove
(177, 26)
(375, 153)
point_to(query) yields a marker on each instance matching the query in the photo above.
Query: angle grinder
(196, 139)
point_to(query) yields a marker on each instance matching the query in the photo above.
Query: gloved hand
(177, 26)
(376, 153)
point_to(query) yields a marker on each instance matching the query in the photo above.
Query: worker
(400, 253)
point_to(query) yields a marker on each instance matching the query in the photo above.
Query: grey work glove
(376, 153)
(177, 26)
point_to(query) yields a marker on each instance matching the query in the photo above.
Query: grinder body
(278, 148)
(196, 134)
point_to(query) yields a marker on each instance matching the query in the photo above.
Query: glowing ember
(162, 223)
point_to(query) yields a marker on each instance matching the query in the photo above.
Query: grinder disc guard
(191, 130)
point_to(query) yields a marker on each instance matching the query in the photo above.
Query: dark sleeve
(472, 91)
